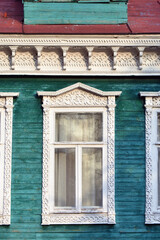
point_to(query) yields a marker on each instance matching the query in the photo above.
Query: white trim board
(6, 113)
(152, 107)
(79, 97)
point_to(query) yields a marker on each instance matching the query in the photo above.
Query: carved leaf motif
(77, 98)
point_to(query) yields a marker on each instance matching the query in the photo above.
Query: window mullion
(79, 178)
(104, 181)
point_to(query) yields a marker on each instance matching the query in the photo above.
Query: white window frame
(78, 98)
(152, 105)
(78, 152)
(6, 114)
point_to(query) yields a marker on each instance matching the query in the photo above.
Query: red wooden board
(143, 17)
(11, 16)
(77, 29)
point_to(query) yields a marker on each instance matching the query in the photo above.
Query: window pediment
(77, 95)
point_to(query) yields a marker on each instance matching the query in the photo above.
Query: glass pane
(65, 177)
(0, 128)
(79, 127)
(158, 176)
(158, 127)
(92, 177)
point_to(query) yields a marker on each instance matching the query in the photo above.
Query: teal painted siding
(75, 13)
(130, 161)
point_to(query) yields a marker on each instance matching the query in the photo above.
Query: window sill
(78, 218)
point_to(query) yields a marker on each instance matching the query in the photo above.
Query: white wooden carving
(152, 104)
(79, 95)
(6, 103)
(85, 55)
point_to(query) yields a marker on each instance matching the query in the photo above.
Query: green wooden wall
(82, 12)
(130, 161)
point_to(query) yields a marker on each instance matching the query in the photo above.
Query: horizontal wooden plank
(76, 29)
(74, 13)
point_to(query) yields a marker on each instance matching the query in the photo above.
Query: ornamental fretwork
(80, 95)
(6, 108)
(152, 104)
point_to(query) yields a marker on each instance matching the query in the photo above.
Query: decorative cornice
(80, 55)
(79, 40)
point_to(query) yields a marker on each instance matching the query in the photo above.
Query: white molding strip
(152, 107)
(105, 55)
(6, 108)
(81, 86)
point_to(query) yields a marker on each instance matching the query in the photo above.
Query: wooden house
(80, 119)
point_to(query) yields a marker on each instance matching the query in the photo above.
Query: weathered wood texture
(11, 16)
(75, 13)
(143, 17)
(77, 29)
(129, 158)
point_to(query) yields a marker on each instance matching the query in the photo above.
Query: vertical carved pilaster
(7, 160)
(46, 152)
(148, 128)
(111, 160)
(141, 50)
(39, 51)
(115, 52)
(13, 50)
(90, 50)
(64, 51)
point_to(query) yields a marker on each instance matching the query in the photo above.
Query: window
(78, 156)
(6, 109)
(152, 105)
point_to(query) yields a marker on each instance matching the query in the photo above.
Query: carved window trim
(152, 107)
(6, 111)
(79, 96)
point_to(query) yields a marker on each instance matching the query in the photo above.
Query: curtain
(158, 176)
(92, 177)
(65, 177)
(79, 127)
(158, 127)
